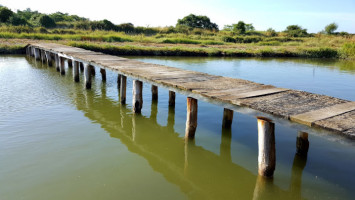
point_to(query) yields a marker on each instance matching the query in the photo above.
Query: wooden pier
(314, 110)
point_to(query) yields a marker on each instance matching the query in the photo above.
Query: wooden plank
(337, 123)
(308, 118)
(257, 93)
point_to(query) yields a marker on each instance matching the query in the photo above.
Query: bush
(180, 41)
(248, 39)
(46, 21)
(229, 39)
(348, 50)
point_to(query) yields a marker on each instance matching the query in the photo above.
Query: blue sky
(313, 15)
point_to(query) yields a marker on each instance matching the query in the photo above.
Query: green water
(60, 141)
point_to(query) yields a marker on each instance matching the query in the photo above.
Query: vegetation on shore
(192, 36)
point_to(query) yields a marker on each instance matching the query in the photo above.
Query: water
(60, 141)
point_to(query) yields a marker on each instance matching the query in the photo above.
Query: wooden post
(57, 63)
(266, 143)
(171, 99)
(76, 71)
(154, 93)
(36, 50)
(49, 58)
(123, 84)
(62, 65)
(191, 118)
(227, 118)
(88, 76)
(119, 81)
(28, 51)
(42, 55)
(137, 100)
(70, 63)
(103, 74)
(93, 73)
(302, 144)
(81, 65)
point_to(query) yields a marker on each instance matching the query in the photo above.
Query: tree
(17, 20)
(330, 28)
(240, 27)
(46, 21)
(296, 31)
(249, 27)
(271, 32)
(194, 21)
(5, 14)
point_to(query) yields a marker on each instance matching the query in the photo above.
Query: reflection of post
(122, 116)
(266, 143)
(227, 118)
(264, 188)
(123, 86)
(62, 65)
(189, 144)
(225, 148)
(171, 118)
(154, 110)
(103, 74)
(302, 143)
(154, 93)
(76, 71)
(191, 118)
(299, 163)
(81, 65)
(171, 99)
(137, 100)
(87, 76)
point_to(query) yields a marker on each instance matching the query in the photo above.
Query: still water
(60, 141)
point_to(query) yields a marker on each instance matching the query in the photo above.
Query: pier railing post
(137, 100)
(88, 76)
(302, 144)
(171, 99)
(154, 93)
(76, 71)
(191, 118)
(62, 65)
(266, 143)
(103, 74)
(227, 118)
(123, 84)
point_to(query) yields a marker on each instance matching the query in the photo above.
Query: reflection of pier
(199, 173)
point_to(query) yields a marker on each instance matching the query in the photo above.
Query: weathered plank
(310, 117)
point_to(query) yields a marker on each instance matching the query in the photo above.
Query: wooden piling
(171, 99)
(123, 84)
(49, 58)
(227, 118)
(302, 144)
(137, 101)
(70, 63)
(43, 58)
(76, 71)
(266, 143)
(57, 63)
(191, 118)
(81, 66)
(36, 52)
(118, 81)
(88, 76)
(154, 93)
(62, 65)
(103, 74)
(93, 73)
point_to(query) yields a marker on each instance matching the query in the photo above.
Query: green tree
(5, 14)
(239, 27)
(18, 20)
(296, 31)
(249, 27)
(194, 21)
(271, 32)
(46, 21)
(330, 28)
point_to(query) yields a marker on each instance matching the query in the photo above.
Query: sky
(313, 15)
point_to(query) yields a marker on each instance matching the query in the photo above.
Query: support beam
(49, 58)
(70, 63)
(302, 144)
(103, 74)
(171, 99)
(93, 73)
(118, 81)
(81, 65)
(43, 57)
(154, 93)
(123, 85)
(137, 101)
(227, 118)
(88, 76)
(76, 71)
(62, 65)
(191, 118)
(57, 63)
(36, 52)
(266, 143)
(28, 51)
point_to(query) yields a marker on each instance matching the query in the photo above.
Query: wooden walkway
(314, 110)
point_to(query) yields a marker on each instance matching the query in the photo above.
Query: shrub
(229, 39)
(46, 21)
(348, 50)
(248, 39)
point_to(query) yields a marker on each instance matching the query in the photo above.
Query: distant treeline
(191, 24)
